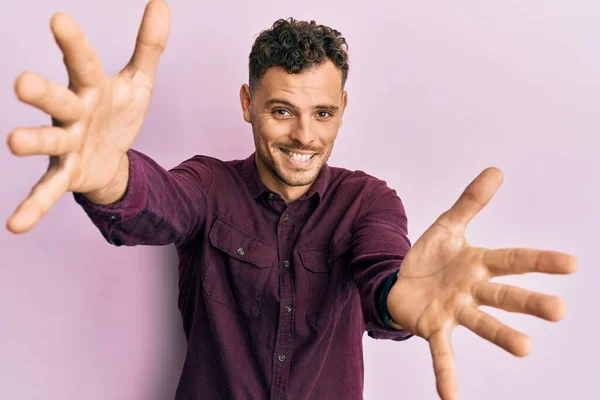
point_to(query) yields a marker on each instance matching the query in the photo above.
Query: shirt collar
(257, 188)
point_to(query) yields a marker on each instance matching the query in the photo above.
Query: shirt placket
(284, 341)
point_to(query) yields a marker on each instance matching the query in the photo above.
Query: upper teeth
(300, 157)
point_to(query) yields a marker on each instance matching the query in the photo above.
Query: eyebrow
(275, 100)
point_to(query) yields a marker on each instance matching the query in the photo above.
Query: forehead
(315, 85)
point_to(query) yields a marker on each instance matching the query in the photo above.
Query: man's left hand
(443, 280)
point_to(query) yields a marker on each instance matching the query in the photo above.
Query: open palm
(95, 120)
(443, 280)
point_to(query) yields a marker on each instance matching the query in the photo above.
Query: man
(285, 261)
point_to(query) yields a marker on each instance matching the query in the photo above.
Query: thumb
(474, 198)
(151, 40)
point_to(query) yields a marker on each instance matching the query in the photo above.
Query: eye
(325, 114)
(281, 112)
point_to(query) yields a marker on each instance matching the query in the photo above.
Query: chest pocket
(329, 280)
(239, 268)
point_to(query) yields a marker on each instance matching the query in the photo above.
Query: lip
(309, 153)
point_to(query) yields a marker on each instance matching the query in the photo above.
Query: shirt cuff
(107, 217)
(378, 330)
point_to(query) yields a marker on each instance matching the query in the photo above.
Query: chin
(297, 177)
(297, 181)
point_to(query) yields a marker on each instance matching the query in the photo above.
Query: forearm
(380, 242)
(157, 207)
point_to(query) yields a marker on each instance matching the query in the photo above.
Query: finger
(49, 97)
(443, 366)
(81, 60)
(476, 196)
(520, 261)
(151, 42)
(46, 140)
(515, 299)
(489, 328)
(42, 197)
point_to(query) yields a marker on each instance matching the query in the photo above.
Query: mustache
(298, 146)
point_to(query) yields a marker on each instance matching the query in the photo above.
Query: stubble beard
(279, 172)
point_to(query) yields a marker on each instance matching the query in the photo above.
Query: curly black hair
(296, 46)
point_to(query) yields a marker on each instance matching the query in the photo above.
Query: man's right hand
(95, 120)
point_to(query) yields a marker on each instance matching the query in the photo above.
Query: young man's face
(295, 119)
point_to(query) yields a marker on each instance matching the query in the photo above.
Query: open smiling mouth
(298, 157)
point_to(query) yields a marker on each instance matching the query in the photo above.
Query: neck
(288, 193)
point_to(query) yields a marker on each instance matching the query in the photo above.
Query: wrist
(116, 189)
(390, 305)
(384, 301)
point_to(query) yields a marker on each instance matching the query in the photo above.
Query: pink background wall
(437, 93)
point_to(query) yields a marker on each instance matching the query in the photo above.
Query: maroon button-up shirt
(275, 298)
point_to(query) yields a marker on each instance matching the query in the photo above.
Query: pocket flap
(238, 244)
(316, 259)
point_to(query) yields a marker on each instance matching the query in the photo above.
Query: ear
(245, 101)
(344, 104)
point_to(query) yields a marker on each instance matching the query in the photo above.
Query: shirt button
(286, 264)
(240, 251)
(286, 218)
(288, 308)
(281, 357)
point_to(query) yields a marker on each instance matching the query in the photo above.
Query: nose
(302, 132)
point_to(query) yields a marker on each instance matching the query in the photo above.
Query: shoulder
(360, 183)
(215, 166)
(372, 195)
(226, 175)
